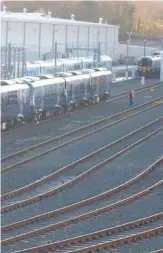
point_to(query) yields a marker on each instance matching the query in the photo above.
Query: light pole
(127, 43)
(162, 45)
(144, 47)
(129, 37)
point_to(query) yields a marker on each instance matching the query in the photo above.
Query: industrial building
(38, 32)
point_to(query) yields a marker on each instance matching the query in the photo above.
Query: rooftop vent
(40, 10)
(4, 8)
(25, 10)
(49, 13)
(72, 16)
(100, 20)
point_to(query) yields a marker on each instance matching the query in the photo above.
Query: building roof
(47, 18)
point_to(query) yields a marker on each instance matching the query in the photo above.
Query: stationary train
(39, 68)
(34, 98)
(149, 66)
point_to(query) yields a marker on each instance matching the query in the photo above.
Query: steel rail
(84, 202)
(98, 234)
(112, 99)
(83, 216)
(84, 174)
(157, 251)
(81, 137)
(33, 147)
(123, 240)
(52, 175)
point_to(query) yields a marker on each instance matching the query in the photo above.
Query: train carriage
(81, 86)
(32, 96)
(71, 64)
(39, 68)
(101, 83)
(15, 100)
(32, 69)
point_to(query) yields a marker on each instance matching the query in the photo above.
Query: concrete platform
(121, 79)
(122, 68)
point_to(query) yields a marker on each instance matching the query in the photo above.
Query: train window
(144, 62)
(54, 89)
(101, 80)
(89, 65)
(25, 94)
(77, 66)
(12, 98)
(3, 100)
(82, 85)
(49, 90)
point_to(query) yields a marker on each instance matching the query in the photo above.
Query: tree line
(131, 16)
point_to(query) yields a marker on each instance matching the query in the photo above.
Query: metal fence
(12, 62)
(14, 59)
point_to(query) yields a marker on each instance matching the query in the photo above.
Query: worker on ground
(131, 97)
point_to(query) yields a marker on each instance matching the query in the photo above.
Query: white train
(150, 66)
(40, 68)
(29, 98)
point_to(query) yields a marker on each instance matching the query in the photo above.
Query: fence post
(9, 61)
(55, 56)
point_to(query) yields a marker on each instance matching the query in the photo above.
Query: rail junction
(93, 186)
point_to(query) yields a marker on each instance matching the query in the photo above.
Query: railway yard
(88, 181)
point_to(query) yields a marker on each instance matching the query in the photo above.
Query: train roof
(46, 18)
(8, 82)
(31, 64)
(149, 57)
(105, 57)
(69, 60)
(46, 82)
(87, 71)
(74, 73)
(100, 69)
(65, 61)
(157, 53)
(63, 74)
(100, 73)
(48, 76)
(14, 87)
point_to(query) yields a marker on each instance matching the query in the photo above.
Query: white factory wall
(39, 38)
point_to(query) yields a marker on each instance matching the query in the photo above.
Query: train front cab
(146, 68)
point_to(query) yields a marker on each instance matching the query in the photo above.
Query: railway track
(81, 175)
(157, 251)
(71, 218)
(111, 99)
(47, 178)
(41, 149)
(103, 239)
